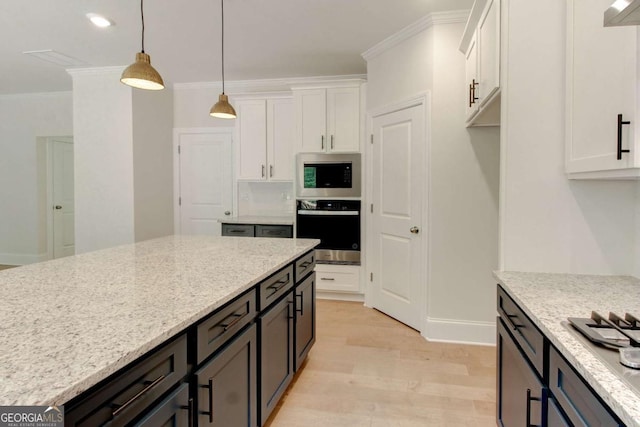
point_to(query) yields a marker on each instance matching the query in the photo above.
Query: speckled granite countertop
(69, 323)
(256, 219)
(548, 299)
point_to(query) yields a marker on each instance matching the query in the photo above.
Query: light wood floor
(368, 370)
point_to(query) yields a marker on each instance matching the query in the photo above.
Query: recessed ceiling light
(99, 20)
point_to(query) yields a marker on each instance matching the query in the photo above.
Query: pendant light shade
(141, 74)
(222, 109)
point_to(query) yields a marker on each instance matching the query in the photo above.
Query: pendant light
(222, 109)
(141, 74)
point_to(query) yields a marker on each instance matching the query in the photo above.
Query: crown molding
(436, 18)
(237, 87)
(34, 95)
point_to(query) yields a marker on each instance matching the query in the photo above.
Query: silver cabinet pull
(128, 403)
(332, 142)
(414, 230)
(327, 278)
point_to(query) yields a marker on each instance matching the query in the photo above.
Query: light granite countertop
(548, 299)
(71, 322)
(258, 219)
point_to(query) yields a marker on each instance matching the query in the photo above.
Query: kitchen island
(549, 299)
(70, 323)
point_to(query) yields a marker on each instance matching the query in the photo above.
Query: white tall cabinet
(481, 47)
(328, 119)
(601, 115)
(264, 139)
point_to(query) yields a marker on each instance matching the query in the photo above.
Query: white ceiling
(263, 38)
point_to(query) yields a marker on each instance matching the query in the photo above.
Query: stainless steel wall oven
(336, 223)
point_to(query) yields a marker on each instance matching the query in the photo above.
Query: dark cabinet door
(227, 385)
(519, 391)
(554, 415)
(305, 318)
(276, 354)
(174, 411)
(283, 231)
(243, 230)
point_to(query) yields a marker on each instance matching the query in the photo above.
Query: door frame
(423, 99)
(49, 187)
(177, 133)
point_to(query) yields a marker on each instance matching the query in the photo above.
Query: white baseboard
(339, 296)
(459, 331)
(21, 259)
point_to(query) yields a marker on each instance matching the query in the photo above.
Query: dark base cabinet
(305, 318)
(276, 354)
(519, 389)
(228, 369)
(560, 398)
(227, 384)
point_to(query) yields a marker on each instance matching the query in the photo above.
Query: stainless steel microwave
(328, 175)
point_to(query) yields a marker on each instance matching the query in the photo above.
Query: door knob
(227, 213)
(58, 207)
(414, 230)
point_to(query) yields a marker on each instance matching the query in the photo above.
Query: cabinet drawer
(222, 325)
(238, 230)
(305, 265)
(275, 286)
(174, 411)
(580, 404)
(125, 396)
(338, 278)
(285, 231)
(525, 332)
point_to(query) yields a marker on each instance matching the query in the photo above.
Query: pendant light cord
(142, 16)
(222, 9)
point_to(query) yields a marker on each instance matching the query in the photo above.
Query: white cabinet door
(601, 84)
(311, 119)
(489, 52)
(343, 119)
(280, 142)
(471, 74)
(251, 139)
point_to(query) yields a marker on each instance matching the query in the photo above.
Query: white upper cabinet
(481, 46)
(264, 139)
(601, 97)
(328, 120)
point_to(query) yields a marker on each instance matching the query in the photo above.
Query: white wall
(23, 118)
(548, 222)
(103, 132)
(463, 182)
(153, 163)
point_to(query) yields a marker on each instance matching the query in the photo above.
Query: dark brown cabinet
(276, 354)
(257, 230)
(536, 385)
(519, 388)
(227, 385)
(228, 369)
(305, 294)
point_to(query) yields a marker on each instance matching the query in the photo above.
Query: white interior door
(205, 181)
(397, 243)
(63, 197)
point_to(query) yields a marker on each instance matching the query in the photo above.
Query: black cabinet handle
(129, 402)
(472, 92)
(236, 318)
(528, 414)
(301, 307)
(322, 142)
(190, 409)
(210, 387)
(620, 123)
(277, 286)
(512, 323)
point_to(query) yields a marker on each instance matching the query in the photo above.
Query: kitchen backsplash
(265, 198)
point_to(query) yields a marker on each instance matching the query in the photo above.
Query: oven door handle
(328, 213)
